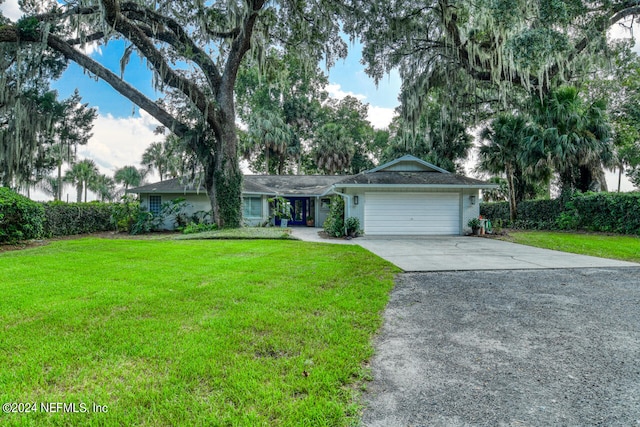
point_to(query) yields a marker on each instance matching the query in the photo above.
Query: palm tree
(129, 176)
(267, 133)
(49, 186)
(576, 139)
(105, 187)
(156, 157)
(82, 174)
(506, 137)
(334, 149)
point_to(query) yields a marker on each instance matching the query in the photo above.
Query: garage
(400, 213)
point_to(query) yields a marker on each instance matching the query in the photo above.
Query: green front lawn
(626, 248)
(167, 333)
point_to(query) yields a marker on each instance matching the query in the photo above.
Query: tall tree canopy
(211, 38)
(486, 51)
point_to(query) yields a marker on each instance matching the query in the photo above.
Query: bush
(66, 219)
(20, 218)
(352, 225)
(125, 214)
(607, 212)
(193, 227)
(334, 224)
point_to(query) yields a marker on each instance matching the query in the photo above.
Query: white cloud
(335, 91)
(119, 142)
(10, 9)
(380, 117)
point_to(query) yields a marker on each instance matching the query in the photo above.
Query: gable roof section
(407, 163)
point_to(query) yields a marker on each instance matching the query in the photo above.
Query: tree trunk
(223, 178)
(513, 207)
(79, 192)
(619, 177)
(58, 195)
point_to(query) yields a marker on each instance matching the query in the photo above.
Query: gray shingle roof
(412, 178)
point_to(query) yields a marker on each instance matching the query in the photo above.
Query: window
(155, 205)
(252, 207)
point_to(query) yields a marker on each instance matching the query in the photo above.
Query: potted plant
(281, 210)
(474, 223)
(310, 221)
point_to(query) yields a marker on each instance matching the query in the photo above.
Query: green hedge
(608, 212)
(20, 217)
(66, 219)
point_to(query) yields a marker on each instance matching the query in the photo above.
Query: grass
(164, 333)
(274, 233)
(626, 248)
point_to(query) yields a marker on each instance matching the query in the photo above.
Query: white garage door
(412, 213)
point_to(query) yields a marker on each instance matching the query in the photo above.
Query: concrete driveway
(460, 253)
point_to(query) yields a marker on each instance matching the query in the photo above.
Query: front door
(299, 210)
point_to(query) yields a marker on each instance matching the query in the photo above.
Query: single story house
(405, 196)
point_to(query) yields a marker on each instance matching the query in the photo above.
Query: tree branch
(181, 40)
(123, 25)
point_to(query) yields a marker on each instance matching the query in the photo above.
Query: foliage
(432, 135)
(281, 208)
(474, 223)
(29, 110)
(126, 323)
(608, 212)
(20, 218)
(334, 149)
(125, 214)
(212, 39)
(129, 176)
(506, 136)
(192, 228)
(334, 224)
(477, 58)
(352, 225)
(82, 174)
(66, 219)
(173, 210)
(573, 137)
(242, 233)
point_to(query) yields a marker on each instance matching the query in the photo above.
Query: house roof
(169, 186)
(408, 179)
(408, 163)
(406, 171)
(300, 185)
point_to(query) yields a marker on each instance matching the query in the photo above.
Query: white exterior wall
(468, 210)
(195, 203)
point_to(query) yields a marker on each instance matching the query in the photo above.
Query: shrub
(607, 212)
(334, 224)
(352, 224)
(20, 217)
(125, 214)
(193, 227)
(65, 219)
